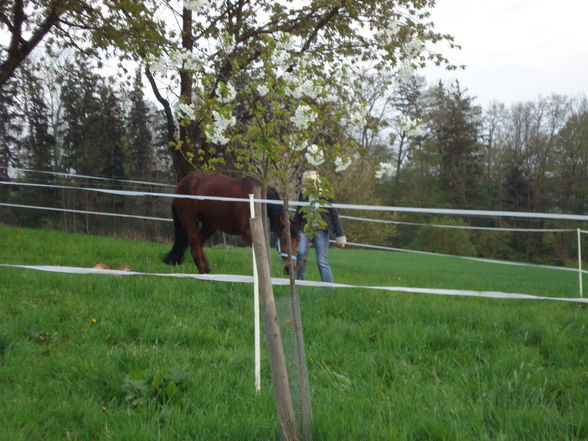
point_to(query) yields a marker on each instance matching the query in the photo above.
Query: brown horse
(196, 220)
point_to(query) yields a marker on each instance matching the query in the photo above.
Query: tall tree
(80, 103)
(141, 155)
(109, 140)
(454, 123)
(409, 102)
(94, 124)
(38, 144)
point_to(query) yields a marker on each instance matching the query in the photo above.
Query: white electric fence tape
(99, 213)
(578, 217)
(233, 278)
(98, 178)
(148, 193)
(460, 227)
(477, 259)
(103, 213)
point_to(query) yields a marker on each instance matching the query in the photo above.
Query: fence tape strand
(234, 278)
(578, 217)
(459, 227)
(98, 178)
(477, 259)
(99, 213)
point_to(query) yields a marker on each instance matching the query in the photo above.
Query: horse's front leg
(197, 252)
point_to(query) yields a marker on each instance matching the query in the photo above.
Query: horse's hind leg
(196, 250)
(176, 254)
(205, 232)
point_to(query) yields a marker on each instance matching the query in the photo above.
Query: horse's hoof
(170, 260)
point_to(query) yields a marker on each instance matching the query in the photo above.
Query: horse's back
(221, 185)
(228, 216)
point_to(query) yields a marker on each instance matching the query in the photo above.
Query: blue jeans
(321, 246)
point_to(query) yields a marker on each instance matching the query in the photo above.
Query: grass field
(86, 357)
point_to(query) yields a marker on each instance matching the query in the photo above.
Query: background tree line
(531, 156)
(67, 118)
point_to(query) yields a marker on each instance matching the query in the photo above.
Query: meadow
(95, 357)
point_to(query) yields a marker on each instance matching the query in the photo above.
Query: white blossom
(342, 164)
(216, 130)
(196, 5)
(328, 97)
(388, 34)
(298, 145)
(405, 72)
(279, 71)
(315, 156)
(279, 58)
(187, 110)
(262, 89)
(413, 49)
(415, 131)
(411, 126)
(303, 116)
(290, 79)
(303, 89)
(218, 138)
(308, 88)
(225, 92)
(223, 122)
(184, 59)
(385, 170)
(158, 65)
(405, 122)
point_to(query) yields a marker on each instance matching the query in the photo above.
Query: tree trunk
(273, 335)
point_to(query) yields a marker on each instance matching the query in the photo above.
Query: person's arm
(339, 233)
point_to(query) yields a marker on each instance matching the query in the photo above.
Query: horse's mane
(274, 211)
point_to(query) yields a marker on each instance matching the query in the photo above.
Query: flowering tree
(224, 43)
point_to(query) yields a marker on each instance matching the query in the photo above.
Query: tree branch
(19, 48)
(170, 124)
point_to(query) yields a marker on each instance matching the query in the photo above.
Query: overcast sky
(515, 50)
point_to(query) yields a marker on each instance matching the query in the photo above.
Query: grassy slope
(382, 366)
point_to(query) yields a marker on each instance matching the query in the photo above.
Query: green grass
(383, 366)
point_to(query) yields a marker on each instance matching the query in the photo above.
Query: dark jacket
(331, 217)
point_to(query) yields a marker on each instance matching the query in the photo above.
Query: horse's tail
(176, 255)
